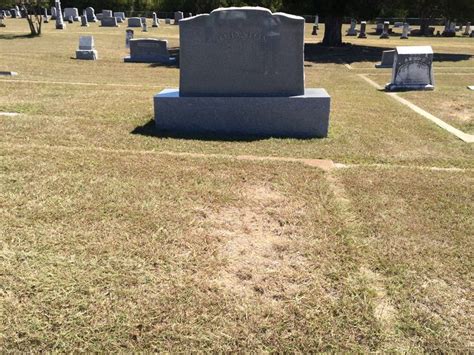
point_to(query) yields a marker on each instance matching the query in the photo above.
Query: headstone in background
(90, 13)
(2, 21)
(242, 73)
(406, 31)
(363, 29)
(84, 22)
(120, 15)
(135, 22)
(412, 69)
(149, 50)
(379, 28)
(316, 22)
(315, 30)
(53, 13)
(128, 36)
(398, 24)
(70, 19)
(155, 20)
(178, 16)
(109, 22)
(60, 25)
(86, 49)
(13, 13)
(385, 31)
(449, 29)
(168, 21)
(107, 13)
(71, 12)
(467, 30)
(144, 27)
(388, 58)
(352, 30)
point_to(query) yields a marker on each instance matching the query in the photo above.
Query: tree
(32, 9)
(334, 12)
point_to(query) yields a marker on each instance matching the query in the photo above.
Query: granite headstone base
(86, 54)
(305, 116)
(408, 87)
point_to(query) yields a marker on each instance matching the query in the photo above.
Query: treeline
(193, 6)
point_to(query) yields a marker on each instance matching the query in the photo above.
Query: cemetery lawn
(115, 239)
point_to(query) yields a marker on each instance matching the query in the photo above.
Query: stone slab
(109, 22)
(149, 50)
(388, 58)
(303, 116)
(135, 22)
(86, 55)
(246, 51)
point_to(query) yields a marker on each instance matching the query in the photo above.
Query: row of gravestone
(384, 30)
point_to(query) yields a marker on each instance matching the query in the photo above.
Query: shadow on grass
(150, 130)
(9, 36)
(350, 53)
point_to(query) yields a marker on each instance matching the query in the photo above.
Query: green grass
(109, 244)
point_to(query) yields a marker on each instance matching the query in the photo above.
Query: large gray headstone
(149, 50)
(412, 69)
(107, 13)
(135, 22)
(71, 12)
(242, 52)
(109, 22)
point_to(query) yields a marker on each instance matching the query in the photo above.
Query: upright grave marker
(84, 22)
(149, 50)
(242, 72)
(385, 31)
(60, 25)
(406, 30)
(412, 69)
(363, 30)
(155, 20)
(128, 36)
(71, 12)
(352, 30)
(90, 13)
(86, 49)
(178, 16)
(135, 22)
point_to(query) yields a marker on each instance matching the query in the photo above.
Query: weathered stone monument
(84, 22)
(385, 31)
(242, 73)
(128, 36)
(107, 13)
(178, 16)
(60, 25)
(406, 31)
(45, 16)
(412, 69)
(155, 21)
(90, 13)
(86, 49)
(352, 30)
(363, 30)
(144, 27)
(149, 50)
(109, 22)
(387, 59)
(135, 22)
(71, 12)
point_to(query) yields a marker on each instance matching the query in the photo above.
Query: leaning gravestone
(387, 59)
(109, 22)
(242, 72)
(60, 25)
(135, 22)
(84, 22)
(178, 16)
(90, 13)
(412, 69)
(71, 12)
(86, 49)
(363, 30)
(149, 50)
